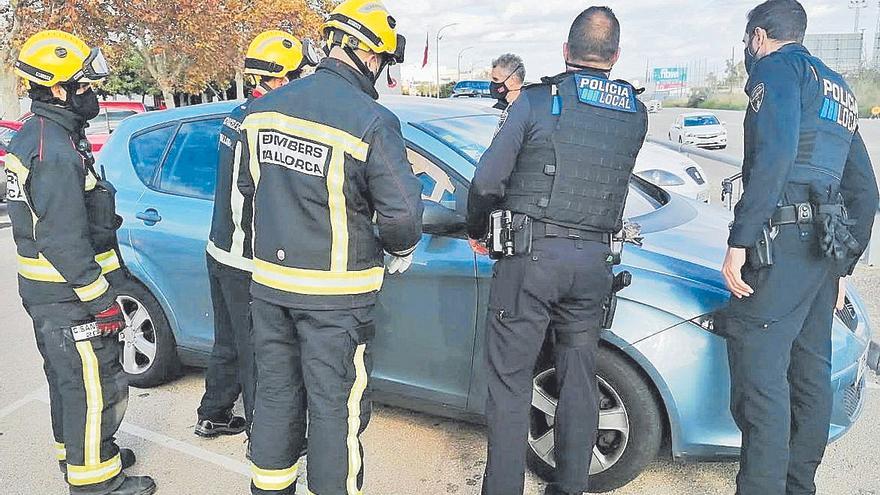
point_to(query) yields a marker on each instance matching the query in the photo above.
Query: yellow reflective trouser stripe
(92, 474)
(354, 421)
(60, 451)
(94, 471)
(317, 282)
(92, 291)
(41, 270)
(274, 479)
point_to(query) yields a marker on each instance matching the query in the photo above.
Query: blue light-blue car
(663, 374)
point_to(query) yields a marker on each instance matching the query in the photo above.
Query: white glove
(398, 264)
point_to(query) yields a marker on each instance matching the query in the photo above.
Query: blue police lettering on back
(602, 93)
(839, 106)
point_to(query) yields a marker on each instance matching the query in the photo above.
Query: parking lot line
(151, 436)
(11, 408)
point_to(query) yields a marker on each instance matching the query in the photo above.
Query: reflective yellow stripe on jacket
(338, 280)
(41, 270)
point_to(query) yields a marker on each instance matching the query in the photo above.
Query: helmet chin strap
(362, 66)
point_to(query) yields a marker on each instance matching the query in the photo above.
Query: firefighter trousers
(231, 370)
(560, 287)
(88, 395)
(324, 356)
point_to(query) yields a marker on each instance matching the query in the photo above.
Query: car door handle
(150, 217)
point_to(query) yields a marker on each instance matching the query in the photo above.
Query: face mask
(85, 105)
(750, 58)
(498, 90)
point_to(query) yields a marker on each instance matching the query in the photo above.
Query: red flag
(425, 59)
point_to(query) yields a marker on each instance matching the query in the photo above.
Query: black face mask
(498, 90)
(750, 58)
(85, 105)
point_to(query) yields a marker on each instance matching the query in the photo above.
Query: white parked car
(672, 171)
(701, 129)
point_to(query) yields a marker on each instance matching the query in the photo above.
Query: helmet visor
(311, 57)
(95, 67)
(397, 56)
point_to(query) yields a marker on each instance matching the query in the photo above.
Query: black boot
(125, 455)
(136, 485)
(231, 425)
(553, 490)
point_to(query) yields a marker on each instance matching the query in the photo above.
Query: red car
(8, 128)
(100, 128)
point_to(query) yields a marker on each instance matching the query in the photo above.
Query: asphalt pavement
(407, 453)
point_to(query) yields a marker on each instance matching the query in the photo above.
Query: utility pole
(459, 60)
(437, 49)
(857, 5)
(877, 41)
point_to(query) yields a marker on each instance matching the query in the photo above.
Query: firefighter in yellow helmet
(325, 160)
(273, 59)
(64, 226)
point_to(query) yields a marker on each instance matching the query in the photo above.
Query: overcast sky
(658, 33)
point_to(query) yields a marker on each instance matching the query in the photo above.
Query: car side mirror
(723, 122)
(440, 220)
(677, 126)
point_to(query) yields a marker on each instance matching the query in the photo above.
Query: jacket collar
(67, 119)
(794, 48)
(350, 75)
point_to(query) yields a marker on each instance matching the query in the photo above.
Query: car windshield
(107, 122)
(700, 120)
(470, 137)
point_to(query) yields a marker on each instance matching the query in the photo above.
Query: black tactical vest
(827, 126)
(580, 177)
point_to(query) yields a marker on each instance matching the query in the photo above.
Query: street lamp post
(437, 47)
(459, 60)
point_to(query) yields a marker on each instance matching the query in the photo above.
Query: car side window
(146, 151)
(190, 169)
(437, 185)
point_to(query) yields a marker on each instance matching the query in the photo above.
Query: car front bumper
(706, 142)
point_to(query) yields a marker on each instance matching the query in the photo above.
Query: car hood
(705, 130)
(678, 267)
(653, 156)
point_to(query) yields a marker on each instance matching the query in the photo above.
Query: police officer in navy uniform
(273, 59)
(563, 158)
(803, 222)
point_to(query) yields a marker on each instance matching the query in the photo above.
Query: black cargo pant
(560, 287)
(779, 348)
(324, 357)
(231, 369)
(88, 395)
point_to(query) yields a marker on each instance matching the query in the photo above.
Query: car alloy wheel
(614, 423)
(138, 339)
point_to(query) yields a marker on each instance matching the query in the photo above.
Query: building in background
(843, 52)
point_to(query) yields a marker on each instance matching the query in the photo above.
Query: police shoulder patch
(756, 99)
(602, 93)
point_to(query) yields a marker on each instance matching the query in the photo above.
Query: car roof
(407, 109)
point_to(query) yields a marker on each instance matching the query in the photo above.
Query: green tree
(130, 77)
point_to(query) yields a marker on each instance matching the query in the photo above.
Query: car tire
(680, 141)
(149, 350)
(632, 451)
(670, 136)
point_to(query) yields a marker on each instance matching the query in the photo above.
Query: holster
(621, 281)
(761, 255)
(510, 234)
(835, 239)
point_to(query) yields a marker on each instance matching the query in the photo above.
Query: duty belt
(802, 213)
(542, 229)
